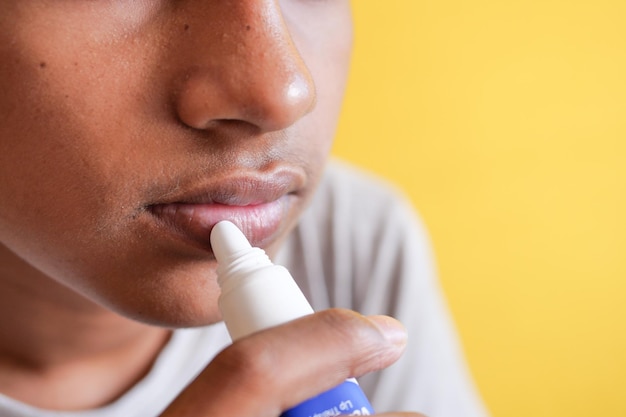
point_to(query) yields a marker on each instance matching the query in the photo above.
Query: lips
(258, 203)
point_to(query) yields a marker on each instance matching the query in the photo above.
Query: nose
(239, 64)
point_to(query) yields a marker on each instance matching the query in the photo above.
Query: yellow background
(505, 123)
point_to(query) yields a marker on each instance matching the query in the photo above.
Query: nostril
(269, 104)
(195, 101)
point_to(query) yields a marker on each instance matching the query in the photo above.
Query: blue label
(346, 399)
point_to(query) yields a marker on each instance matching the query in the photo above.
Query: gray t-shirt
(358, 246)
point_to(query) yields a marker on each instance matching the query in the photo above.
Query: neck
(53, 341)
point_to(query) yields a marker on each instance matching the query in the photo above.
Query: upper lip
(241, 188)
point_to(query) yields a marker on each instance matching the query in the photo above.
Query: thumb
(278, 368)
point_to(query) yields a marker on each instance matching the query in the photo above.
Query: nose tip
(281, 109)
(299, 92)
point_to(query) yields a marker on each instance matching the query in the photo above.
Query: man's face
(129, 128)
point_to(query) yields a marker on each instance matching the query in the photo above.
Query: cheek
(325, 44)
(71, 113)
(57, 152)
(43, 144)
(330, 81)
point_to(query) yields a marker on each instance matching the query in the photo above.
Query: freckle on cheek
(42, 64)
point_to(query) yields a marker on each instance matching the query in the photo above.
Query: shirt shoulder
(352, 237)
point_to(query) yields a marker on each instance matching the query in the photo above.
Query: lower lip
(193, 222)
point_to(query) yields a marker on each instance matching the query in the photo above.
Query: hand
(270, 371)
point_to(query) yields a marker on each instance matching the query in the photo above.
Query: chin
(170, 302)
(173, 314)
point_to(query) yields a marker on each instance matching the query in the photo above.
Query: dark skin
(126, 128)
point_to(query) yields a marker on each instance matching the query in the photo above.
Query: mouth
(258, 204)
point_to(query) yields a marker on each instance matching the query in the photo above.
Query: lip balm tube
(256, 295)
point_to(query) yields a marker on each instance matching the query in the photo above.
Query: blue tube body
(345, 399)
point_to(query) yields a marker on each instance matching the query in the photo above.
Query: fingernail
(393, 331)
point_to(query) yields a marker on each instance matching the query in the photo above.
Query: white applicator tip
(226, 240)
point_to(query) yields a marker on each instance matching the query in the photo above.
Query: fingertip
(392, 330)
